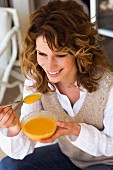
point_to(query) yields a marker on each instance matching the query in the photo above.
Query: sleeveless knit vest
(91, 113)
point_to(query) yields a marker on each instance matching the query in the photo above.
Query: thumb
(61, 124)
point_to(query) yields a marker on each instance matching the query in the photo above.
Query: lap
(100, 167)
(43, 158)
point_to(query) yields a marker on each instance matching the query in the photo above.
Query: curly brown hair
(66, 27)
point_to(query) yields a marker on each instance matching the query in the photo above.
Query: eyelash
(41, 54)
(60, 56)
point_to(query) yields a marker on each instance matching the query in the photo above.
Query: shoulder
(105, 83)
(107, 78)
(29, 82)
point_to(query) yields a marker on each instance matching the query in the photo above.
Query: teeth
(55, 72)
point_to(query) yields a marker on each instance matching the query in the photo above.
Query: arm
(95, 142)
(16, 147)
(12, 139)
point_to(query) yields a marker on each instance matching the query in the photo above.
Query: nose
(51, 63)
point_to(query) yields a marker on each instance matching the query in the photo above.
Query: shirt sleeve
(93, 141)
(19, 146)
(16, 147)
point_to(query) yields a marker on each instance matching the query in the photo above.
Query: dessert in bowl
(38, 125)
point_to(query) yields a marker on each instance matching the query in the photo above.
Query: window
(101, 11)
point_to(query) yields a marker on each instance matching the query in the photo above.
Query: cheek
(72, 62)
(40, 61)
(68, 64)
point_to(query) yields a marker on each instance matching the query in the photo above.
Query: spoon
(28, 99)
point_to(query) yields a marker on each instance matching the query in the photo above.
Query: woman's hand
(10, 120)
(63, 128)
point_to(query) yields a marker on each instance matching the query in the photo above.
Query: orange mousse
(39, 128)
(32, 98)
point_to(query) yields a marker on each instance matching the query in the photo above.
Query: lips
(54, 73)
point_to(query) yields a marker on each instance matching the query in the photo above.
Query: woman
(63, 59)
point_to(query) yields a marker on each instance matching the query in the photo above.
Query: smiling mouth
(54, 72)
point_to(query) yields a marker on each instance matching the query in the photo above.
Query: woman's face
(59, 66)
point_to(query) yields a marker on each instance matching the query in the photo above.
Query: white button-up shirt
(90, 139)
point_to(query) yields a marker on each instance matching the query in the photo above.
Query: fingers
(51, 139)
(8, 123)
(1, 108)
(72, 127)
(59, 132)
(7, 117)
(65, 125)
(62, 124)
(5, 114)
(63, 128)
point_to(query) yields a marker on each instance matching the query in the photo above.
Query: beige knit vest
(91, 113)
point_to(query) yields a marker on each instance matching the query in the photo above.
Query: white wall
(24, 8)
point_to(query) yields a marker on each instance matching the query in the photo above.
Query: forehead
(41, 44)
(41, 40)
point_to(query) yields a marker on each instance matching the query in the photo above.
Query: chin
(53, 81)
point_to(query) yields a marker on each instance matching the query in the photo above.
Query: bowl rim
(34, 112)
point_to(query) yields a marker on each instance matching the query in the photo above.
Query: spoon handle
(10, 104)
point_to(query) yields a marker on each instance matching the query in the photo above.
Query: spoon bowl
(28, 99)
(32, 98)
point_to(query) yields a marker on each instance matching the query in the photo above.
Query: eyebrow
(40, 51)
(46, 54)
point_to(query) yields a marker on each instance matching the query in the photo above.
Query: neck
(67, 84)
(65, 87)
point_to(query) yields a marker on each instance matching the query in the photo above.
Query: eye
(62, 55)
(41, 54)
